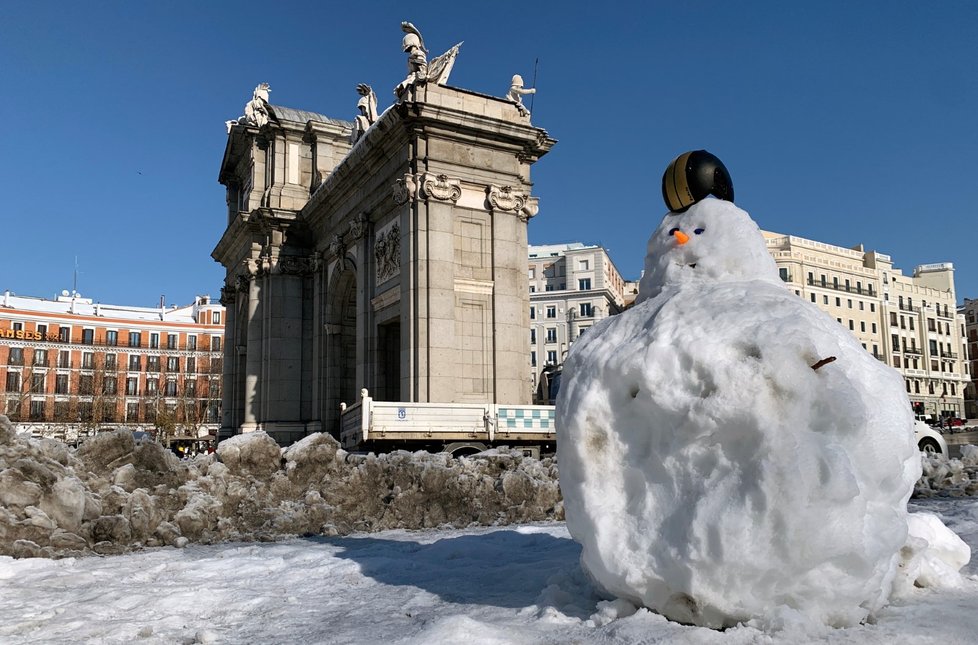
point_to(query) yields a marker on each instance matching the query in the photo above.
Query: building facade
(572, 286)
(395, 263)
(970, 312)
(73, 366)
(909, 322)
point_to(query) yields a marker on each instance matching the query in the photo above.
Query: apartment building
(572, 286)
(909, 322)
(73, 365)
(970, 312)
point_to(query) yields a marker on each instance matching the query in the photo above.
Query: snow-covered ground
(515, 584)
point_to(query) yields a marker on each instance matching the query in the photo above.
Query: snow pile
(709, 470)
(949, 477)
(112, 494)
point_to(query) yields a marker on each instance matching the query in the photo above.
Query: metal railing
(812, 282)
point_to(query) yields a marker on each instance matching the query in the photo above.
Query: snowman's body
(709, 472)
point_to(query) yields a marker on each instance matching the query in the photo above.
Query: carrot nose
(681, 237)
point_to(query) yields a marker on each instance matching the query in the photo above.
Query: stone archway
(341, 346)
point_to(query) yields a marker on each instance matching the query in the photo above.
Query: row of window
(85, 411)
(88, 385)
(846, 285)
(109, 361)
(947, 389)
(584, 309)
(551, 358)
(551, 336)
(134, 339)
(838, 303)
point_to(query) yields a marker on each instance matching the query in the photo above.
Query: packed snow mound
(708, 471)
(112, 495)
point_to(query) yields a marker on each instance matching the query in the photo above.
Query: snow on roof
(302, 116)
(77, 305)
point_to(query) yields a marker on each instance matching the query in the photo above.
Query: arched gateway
(396, 263)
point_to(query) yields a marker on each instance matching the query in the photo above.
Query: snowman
(728, 451)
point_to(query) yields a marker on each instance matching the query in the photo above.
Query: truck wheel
(463, 448)
(929, 446)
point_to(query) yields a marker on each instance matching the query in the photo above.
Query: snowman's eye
(699, 230)
(674, 231)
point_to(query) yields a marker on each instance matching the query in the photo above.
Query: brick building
(71, 366)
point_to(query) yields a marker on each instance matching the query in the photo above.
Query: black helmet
(692, 176)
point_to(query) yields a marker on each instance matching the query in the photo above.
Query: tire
(929, 446)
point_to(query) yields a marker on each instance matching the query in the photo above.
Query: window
(88, 360)
(551, 334)
(533, 288)
(172, 364)
(893, 319)
(13, 381)
(548, 287)
(852, 325)
(862, 305)
(43, 331)
(64, 358)
(152, 363)
(191, 365)
(533, 335)
(171, 341)
(583, 265)
(191, 342)
(533, 359)
(896, 361)
(838, 302)
(933, 347)
(152, 385)
(16, 356)
(783, 272)
(217, 318)
(584, 284)
(110, 362)
(552, 312)
(862, 326)
(215, 343)
(85, 385)
(134, 362)
(552, 357)
(587, 310)
(132, 386)
(110, 385)
(64, 334)
(132, 411)
(910, 320)
(112, 338)
(171, 387)
(88, 336)
(190, 388)
(813, 297)
(135, 339)
(533, 313)
(61, 384)
(37, 382)
(849, 303)
(37, 410)
(41, 357)
(895, 342)
(154, 341)
(874, 327)
(533, 273)
(825, 300)
(872, 305)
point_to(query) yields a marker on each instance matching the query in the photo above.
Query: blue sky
(843, 122)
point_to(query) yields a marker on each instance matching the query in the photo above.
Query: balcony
(910, 308)
(812, 282)
(952, 355)
(912, 350)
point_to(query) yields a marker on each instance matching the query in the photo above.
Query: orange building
(71, 365)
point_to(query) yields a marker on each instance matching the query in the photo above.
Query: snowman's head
(713, 241)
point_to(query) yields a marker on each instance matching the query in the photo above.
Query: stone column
(253, 359)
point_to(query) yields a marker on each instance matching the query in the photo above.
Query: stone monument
(397, 264)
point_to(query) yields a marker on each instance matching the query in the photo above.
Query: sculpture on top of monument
(367, 108)
(419, 69)
(516, 92)
(256, 110)
(417, 62)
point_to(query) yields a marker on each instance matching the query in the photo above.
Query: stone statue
(441, 66)
(256, 110)
(367, 107)
(417, 62)
(516, 92)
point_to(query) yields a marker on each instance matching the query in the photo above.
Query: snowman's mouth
(692, 266)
